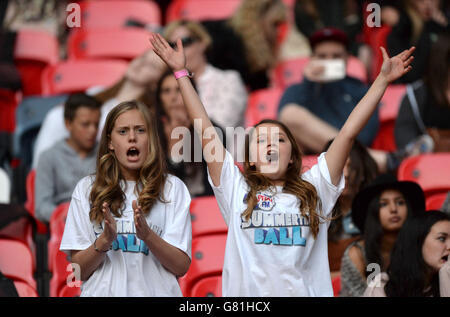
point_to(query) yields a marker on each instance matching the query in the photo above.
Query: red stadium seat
(290, 72)
(33, 51)
(57, 224)
(68, 291)
(206, 217)
(60, 275)
(208, 287)
(9, 101)
(114, 14)
(430, 171)
(336, 282)
(435, 202)
(108, 43)
(25, 290)
(75, 76)
(262, 104)
(390, 105)
(200, 10)
(309, 161)
(30, 203)
(207, 260)
(16, 261)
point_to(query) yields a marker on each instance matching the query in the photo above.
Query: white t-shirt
(275, 253)
(130, 269)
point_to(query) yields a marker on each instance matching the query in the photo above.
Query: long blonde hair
(294, 184)
(246, 22)
(152, 175)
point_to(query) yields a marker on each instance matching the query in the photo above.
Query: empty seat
(33, 51)
(200, 10)
(262, 104)
(208, 287)
(79, 75)
(108, 43)
(25, 290)
(430, 171)
(115, 14)
(207, 260)
(388, 111)
(16, 261)
(206, 217)
(436, 201)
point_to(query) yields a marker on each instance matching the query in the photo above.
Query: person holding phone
(315, 109)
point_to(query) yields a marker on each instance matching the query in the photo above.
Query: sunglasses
(186, 41)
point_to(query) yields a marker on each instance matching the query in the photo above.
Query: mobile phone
(334, 69)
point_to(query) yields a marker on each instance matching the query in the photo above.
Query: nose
(132, 136)
(393, 207)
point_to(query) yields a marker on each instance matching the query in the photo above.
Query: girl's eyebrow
(127, 126)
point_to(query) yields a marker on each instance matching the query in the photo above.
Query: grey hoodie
(58, 171)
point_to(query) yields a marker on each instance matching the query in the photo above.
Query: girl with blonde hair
(277, 217)
(128, 227)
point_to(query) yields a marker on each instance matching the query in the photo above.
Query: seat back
(33, 51)
(121, 43)
(16, 261)
(206, 217)
(115, 14)
(207, 260)
(200, 10)
(430, 171)
(75, 76)
(435, 202)
(262, 104)
(208, 287)
(390, 105)
(29, 116)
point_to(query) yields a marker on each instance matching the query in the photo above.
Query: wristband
(183, 73)
(95, 247)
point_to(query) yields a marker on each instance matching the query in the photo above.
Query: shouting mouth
(133, 154)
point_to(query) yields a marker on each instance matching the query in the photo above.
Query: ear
(110, 145)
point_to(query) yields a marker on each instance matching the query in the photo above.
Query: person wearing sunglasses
(222, 91)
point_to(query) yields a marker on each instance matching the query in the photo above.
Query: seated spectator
(359, 170)
(222, 91)
(172, 114)
(425, 109)
(379, 211)
(315, 110)
(419, 23)
(138, 83)
(420, 265)
(66, 162)
(247, 42)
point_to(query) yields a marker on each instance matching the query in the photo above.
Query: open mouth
(445, 258)
(272, 156)
(133, 153)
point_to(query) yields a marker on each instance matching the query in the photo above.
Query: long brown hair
(246, 22)
(294, 184)
(437, 76)
(152, 175)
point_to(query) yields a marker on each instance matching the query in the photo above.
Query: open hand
(142, 228)
(110, 230)
(175, 59)
(397, 66)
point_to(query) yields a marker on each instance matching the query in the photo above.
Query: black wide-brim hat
(410, 190)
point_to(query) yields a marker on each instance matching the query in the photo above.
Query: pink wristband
(182, 73)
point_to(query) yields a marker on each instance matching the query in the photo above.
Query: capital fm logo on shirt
(276, 228)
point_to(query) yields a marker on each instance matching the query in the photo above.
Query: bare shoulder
(357, 257)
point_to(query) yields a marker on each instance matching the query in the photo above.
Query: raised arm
(392, 69)
(176, 60)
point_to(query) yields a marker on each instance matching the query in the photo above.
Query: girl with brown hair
(277, 216)
(128, 227)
